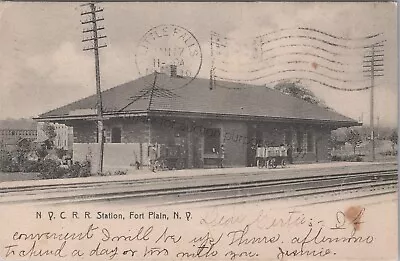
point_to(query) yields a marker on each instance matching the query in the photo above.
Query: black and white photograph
(211, 130)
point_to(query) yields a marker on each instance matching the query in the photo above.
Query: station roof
(161, 94)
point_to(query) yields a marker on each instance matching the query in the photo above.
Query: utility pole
(373, 66)
(93, 37)
(377, 128)
(212, 69)
(216, 42)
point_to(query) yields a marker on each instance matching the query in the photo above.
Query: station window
(116, 135)
(288, 137)
(310, 141)
(300, 137)
(212, 140)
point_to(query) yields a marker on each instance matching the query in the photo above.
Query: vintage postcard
(198, 131)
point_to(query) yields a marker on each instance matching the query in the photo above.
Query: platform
(301, 170)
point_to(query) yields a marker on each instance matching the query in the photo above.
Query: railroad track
(224, 189)
(239, 193)
(46, 188)
(351, 188)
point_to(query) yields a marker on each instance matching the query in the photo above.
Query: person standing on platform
(221, 156)
(153, 157)
(290, 154)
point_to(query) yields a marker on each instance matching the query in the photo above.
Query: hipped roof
(161, 94)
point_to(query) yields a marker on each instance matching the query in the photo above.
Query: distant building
(14, 131)
(64, 135)
(9, 138)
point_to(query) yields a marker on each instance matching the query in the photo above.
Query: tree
(24, 146)
(338, 138)
(394, 137)
(41, 151)
(386, 132)
(353, 137)
(50, 132)
(295, 89)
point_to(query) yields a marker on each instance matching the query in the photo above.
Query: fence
(116, 155)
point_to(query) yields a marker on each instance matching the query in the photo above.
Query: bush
(103, 174)
(348, 158)
(120, 172)
(336, 158)
(30, 166)
(61, 153)
(109, 173)
(41, 152)
(78, 170)
(6, 162)
(389, 153)
(51, 169)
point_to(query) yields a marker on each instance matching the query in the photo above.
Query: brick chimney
(173, 71)
(170, 70)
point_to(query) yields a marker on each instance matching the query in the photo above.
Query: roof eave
(106, 115)
(200, 115)
(253, 118)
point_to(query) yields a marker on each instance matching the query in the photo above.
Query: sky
(43, 66)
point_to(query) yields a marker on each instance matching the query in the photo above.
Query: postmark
(318, 58)
(172, 50)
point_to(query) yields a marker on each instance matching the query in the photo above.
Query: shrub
(120, 172)
(349, 158)
(41, 152)
(61, 153)
(109, 173)
(103, 174)
(51, 169)
(78, 170)
(389, 153)
(30, 166)
(6, 162)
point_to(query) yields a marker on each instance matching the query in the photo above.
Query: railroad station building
(175, 111)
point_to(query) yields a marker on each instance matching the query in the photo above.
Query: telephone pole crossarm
(373, 63)
(94, 38)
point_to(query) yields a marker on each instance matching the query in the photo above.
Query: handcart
(173, 157)
(271, 157)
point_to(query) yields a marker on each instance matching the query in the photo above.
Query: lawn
(17, 176)
(381, 146)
